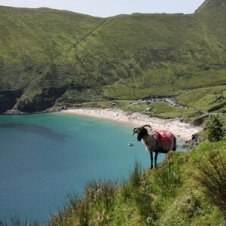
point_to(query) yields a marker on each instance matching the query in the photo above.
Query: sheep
(158, 141)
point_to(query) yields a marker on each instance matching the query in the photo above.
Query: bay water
(45, 157)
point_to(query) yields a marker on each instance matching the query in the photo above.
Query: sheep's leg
(174, 144)
(156, 157)
(151, 157)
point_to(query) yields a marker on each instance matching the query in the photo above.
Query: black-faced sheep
(158, 141)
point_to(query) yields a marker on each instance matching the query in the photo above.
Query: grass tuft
(212, 176)
(136, 175)
(168, 176)
(101, 192)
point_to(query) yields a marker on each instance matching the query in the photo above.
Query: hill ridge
(211, 5)
(59, 58)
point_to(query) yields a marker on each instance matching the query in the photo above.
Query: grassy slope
(170, 56)
(206, 99)
(173, 194)
(39, 33)
(125, 57)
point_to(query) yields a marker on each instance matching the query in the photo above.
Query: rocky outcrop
(8, 99)
(41, 101)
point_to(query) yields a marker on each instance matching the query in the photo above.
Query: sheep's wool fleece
(149, 142)
(159, 140)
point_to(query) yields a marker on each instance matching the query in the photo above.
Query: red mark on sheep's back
(163, 136)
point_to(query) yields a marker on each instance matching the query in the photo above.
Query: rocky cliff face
(8, 99)
(41, 101)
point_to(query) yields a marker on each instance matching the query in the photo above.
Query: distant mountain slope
(38, 33)
(213, 15)
(51, 57)
(212, 5)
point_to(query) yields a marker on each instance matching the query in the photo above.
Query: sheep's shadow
(38, 130)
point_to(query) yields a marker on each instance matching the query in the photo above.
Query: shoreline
(175, 126)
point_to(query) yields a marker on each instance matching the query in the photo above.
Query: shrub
(212, 176)
(101, 192)
(215, 128)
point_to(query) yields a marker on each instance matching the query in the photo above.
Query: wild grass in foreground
(212, 176)
(186, 189)
(17, 222)
(91, 209)
(167, 195)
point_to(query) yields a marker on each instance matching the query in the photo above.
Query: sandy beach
(180, 129)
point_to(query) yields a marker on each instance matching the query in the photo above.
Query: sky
(106, 8)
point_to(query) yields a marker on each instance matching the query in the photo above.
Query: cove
(45, 157)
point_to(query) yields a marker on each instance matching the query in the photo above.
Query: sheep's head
(141, 132)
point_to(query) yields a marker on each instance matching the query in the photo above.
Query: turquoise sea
(45, 157)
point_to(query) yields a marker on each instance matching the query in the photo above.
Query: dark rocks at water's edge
(41, 101)
(15, 111)
(195, 140)
(8, 99)
(16, 103)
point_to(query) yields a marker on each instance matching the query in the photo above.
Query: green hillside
(59, 58)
